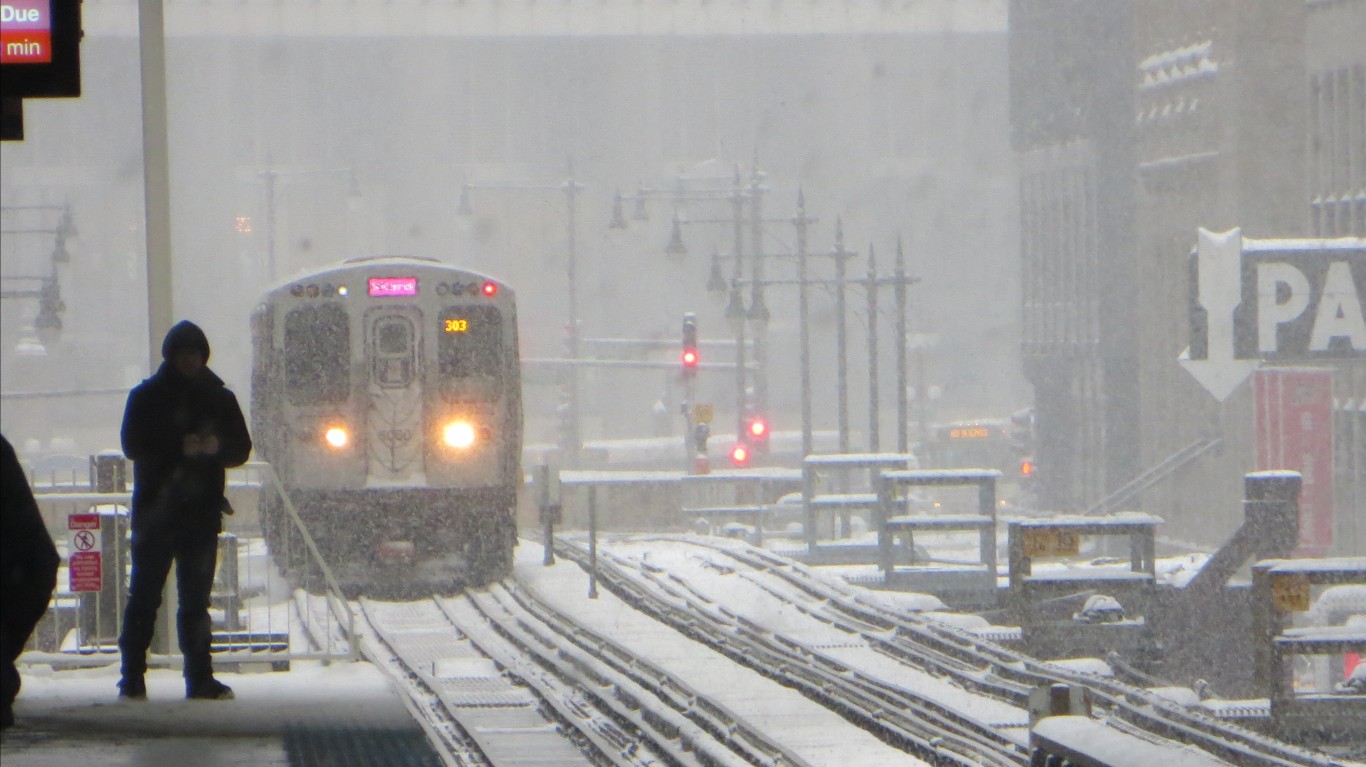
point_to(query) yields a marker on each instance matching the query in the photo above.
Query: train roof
(363, 263)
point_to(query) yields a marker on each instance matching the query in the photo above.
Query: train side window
(470, 343)
(317, 355)
(393, 357)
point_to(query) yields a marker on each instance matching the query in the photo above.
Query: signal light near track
(690, 356)
(756, 432)
(739, 456)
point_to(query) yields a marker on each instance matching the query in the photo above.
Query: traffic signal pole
(690, 358)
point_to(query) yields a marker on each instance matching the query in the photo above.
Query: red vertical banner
(1295, 431)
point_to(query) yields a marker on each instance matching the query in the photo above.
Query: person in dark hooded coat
(182, 428)
(28, 571)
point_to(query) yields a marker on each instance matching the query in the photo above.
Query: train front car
(387, 396)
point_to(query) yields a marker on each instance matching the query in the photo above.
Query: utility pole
(758, 310)
(803, 311)
(842, 372)
(873, 412)
(735, 310)
(571, 189)
(902, 442)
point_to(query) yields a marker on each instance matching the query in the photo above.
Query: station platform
(310, 716)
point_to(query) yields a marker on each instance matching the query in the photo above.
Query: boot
(133, 687)
(207, 688)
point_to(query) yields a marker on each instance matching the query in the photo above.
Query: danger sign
(85, 565)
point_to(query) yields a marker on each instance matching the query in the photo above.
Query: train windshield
(317, 355)
(470, 346)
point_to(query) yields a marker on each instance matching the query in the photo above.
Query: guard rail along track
(975, 663)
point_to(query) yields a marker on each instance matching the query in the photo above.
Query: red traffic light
(690, 358)
(1026, 468)
(739, 455)
(758, 428)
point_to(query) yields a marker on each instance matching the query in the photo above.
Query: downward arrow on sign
(1218, 265)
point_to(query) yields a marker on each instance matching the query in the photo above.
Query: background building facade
(1234, 114)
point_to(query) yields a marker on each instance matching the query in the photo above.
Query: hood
(185, 335)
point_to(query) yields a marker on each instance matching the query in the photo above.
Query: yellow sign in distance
(1290, 592)
(702, 412)
(1045, 542)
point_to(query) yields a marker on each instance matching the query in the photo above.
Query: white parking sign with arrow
(1282, 301)
(1219, 268)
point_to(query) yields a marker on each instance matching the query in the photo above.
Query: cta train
(386, 395)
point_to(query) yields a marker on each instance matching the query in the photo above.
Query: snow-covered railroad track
(971, 662)
(1009, 675)
(899, 712)
(679, 723)
(475, 714)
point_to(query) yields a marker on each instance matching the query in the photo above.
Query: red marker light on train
(490, 289)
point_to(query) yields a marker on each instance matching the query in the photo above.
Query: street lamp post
(842, 363)
(735, 311)
(758, 310)
(47, 324)
(803, 311)
(873, 411)
(899, 281)
(571, 189)
(902, 444)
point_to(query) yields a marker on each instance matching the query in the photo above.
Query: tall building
(1225, 114)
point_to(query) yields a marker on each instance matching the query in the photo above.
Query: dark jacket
(28, 558)
(173, 492)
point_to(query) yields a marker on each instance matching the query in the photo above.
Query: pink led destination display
(393, 286)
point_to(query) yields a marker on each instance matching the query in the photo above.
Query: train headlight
(458, 434)
(336, 437)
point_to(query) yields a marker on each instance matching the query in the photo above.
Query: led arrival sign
(40, 48)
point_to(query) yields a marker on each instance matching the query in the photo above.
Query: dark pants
(25, 602)
(196, 557)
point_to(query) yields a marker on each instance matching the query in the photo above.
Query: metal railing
(1151, 476)
(275, 600)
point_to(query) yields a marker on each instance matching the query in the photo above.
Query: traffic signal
(690, 356)
(756, 433)
(739, 455)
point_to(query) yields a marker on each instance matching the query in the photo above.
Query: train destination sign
(1284, 301)
(393, 286)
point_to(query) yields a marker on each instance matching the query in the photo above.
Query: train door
(393, 344)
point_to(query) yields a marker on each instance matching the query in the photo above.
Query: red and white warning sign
(84, 563)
